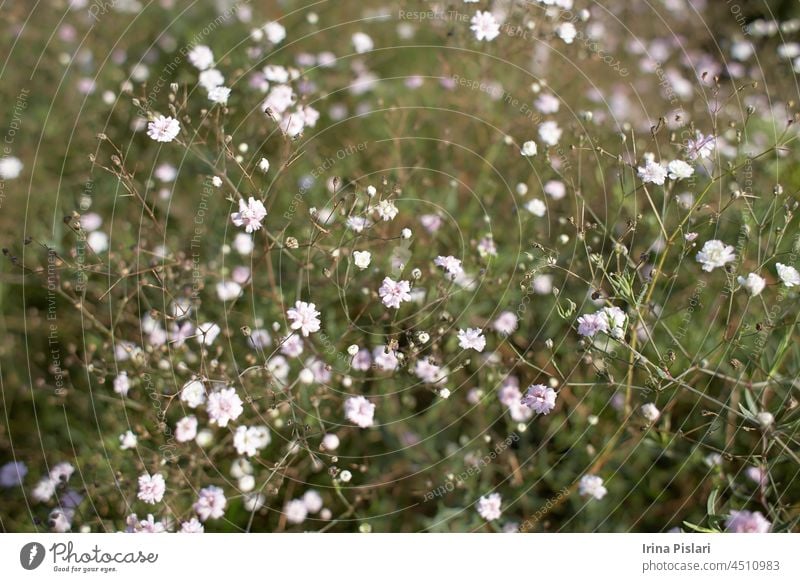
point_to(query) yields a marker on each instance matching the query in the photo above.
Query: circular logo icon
(31, 555)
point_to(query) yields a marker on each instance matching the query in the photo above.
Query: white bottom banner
(357, 557)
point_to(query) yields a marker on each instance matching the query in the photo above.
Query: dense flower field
(491, 265)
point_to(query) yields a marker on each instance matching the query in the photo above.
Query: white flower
(753, 283)
(224, 406)
(275, 32)
(386, 210)
(652, 173)
(555, 189)
(345, 476)
(44, 489)
(550, 133)
(186, 429)
(765, 419)
(312, 500)
(484, 25)
(250, 215)
(488, 506)
(547, 103)
(201, 57)
(592, 486)
(471, 339)
(590, 324)
(10, 168)
(450, 264)
(360, 411)
(304, 317)
(330, 442)
(701, 147)
(122, 384)
(210, 79)
(506, 323)
(529, 148)
(715, 253)
(151, 488)
(650, 412)
(193, 393)
(295, 511)
(429, 372)
(249, 440)
(444, 393)
(615, 321)
(192, 526)
(747, 522)
(362, 42)
(362, 259)
(263, 165)
(163, 129)
(210, 503)
(98, 241)
(678, 170)
(127, 440)
(540, 398)
(788, 274)
(566, 32)
(393, 293)
(219, 94)
(536, 207)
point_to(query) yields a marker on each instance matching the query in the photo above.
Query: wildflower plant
(286, 268)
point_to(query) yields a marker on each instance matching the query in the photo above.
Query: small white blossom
(362, 259)
(488, 506)
(250, 215)
(163, 129)
(652, 173)
(529, 148)
(715, 253)
(788, 274)
(592, 486)
(393, 293)
(360, 411)
(304, 317)
(151, 488)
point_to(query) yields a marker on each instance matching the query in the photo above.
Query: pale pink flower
(360, 411)
(488, 506)
(591, 323)
(224, 406)
(592, 486)
(471, 339)
(393, 293)
(295, 511)
(652, 173)
(747, 522)
(484, 25)
(540, 398)
(304, 317)
(250, 215)
(163, 129)
(714, 254)
(429, 372)
(210, 503)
